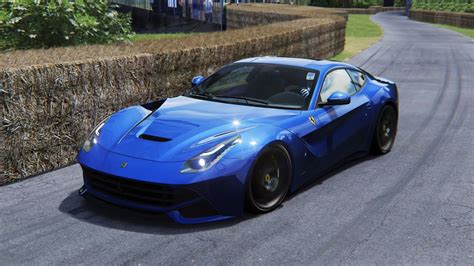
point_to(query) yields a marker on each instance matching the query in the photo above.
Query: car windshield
(268, 85)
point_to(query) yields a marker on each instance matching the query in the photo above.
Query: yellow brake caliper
(267, 178)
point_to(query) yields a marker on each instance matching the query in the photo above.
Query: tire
(385, 130)
(269, 180)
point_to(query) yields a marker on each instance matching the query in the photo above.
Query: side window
(337, 80)
(358, 78)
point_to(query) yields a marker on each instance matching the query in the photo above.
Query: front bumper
(215, 194)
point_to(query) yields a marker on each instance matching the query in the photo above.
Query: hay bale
(464, 20)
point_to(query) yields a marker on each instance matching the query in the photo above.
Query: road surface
(413, 205)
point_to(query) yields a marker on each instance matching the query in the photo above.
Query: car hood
(183, 127)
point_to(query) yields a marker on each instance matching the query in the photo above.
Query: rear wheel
(269, 180)
(385, 130)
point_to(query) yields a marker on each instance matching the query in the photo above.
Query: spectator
(208, 10)
(407, 7)
(224, 14)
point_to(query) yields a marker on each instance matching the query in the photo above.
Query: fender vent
(154, 138)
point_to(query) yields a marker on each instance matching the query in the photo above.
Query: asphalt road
(414, 205)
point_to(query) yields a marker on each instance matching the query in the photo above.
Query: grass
(361, 32)
(146, 37)
(467, 32)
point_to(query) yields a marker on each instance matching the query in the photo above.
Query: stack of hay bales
(242, 16)
(52, 98)
(464, 20)
(372, 10)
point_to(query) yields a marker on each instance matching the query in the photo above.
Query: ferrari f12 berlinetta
(241, 139)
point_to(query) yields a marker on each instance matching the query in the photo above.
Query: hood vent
(153, 106)
(154, 138)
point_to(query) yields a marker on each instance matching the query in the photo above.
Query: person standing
(208, 10)
(407, 7)
(195, 8)
(224, 14)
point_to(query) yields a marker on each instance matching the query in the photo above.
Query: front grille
(137, 191)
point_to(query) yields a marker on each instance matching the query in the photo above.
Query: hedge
(444, 5)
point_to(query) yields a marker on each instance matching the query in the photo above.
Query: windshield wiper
(209, 95)
(205, 95)
(242, 98)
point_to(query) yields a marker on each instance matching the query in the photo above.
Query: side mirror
(197, 80)
(338, 98)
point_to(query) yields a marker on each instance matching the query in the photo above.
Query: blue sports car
(240, 139)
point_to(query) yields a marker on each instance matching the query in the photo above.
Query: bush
(401, 3)
(450, 6)
(47, 24)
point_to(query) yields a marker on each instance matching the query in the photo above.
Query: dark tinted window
(358, 78)
(261, 84)
(337, 80)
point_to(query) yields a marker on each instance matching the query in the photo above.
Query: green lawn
(143, 37)
(467, 32)
(361, 32)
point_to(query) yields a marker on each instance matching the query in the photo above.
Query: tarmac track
(414, 205)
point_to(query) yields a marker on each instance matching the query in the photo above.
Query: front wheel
(269, 180)
(385, 130)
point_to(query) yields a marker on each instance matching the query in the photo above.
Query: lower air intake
(137, 191)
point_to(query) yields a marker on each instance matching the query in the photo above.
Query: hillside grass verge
(464, 31)
(361, 32)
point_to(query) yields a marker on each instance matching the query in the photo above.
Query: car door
(338, 130)
(363, 140)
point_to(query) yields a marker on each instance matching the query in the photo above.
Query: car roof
(320, 65)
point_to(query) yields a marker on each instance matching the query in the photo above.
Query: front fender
(254, 140)
(120, 123)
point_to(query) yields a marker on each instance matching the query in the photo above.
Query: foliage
(400, 3)
(445, 5)
(44, 24)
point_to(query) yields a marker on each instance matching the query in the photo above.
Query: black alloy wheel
(270, 180)
(385, 130)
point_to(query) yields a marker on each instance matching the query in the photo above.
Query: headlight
(209, 157)
(92, 139)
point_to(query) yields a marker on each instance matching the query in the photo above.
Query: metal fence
(143, 4)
